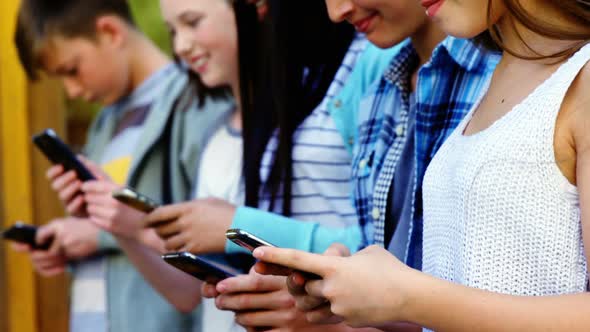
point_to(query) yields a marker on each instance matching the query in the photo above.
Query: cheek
(223, 48)
(108, 82)
(397, 25)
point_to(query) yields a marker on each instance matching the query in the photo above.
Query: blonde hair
(577, 11)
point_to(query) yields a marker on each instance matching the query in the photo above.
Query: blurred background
(29, 303)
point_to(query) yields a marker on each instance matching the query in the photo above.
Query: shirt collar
(148, 90)
(465, 54)
(399, 70)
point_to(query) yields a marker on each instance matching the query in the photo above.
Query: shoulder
(576, 108)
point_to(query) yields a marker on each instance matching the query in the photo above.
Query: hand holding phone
(246, 240)
(25, 234)
(251, 242)
(135, 200)
(199, 267)
(59, 152)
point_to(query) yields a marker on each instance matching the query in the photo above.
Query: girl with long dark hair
(506, 218)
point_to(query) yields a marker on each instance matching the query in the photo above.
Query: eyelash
(193, 23)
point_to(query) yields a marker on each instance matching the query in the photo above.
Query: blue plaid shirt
(448, 86)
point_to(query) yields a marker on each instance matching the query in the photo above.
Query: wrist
(413, 295)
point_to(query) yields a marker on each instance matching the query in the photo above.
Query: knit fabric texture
(499, 214)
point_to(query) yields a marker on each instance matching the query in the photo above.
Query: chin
(457, 29)
(210, 83)
(383, 42)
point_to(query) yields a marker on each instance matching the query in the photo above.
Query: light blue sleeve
(289, 233)
(344, 107)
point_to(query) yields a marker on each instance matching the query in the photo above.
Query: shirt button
(363, 164)
(399, 130)
(375, 213)
(338, 103)
(351, 141)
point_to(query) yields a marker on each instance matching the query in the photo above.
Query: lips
(199, 63)
(364, 25)
(432, 6)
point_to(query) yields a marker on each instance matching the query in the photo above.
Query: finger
(50, 233)
(164, 213)
(175, 243)
(168, 229)
(49, 263)
(101, 223)
(76, 205)
(315, 288)
(99, 212)
(93, 168)
(323, 315)
(54, 172)
(295, 259)
(296, 283)
(21, 247)
(38, 257)
(309, 303)
(251, 283)
(266, 318)
(51, 272)
(46, 233)
(101, 199)
(70, 191)
(99, 187)
(208, 290)
(337, 249)
(64, 180)
(255, 301)
(272, 269)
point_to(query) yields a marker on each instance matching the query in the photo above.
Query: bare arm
(182, 290)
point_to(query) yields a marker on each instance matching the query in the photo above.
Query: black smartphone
(135, 200)
(245, 239)
(251, 242)
(59, 152)
(26, 234)
(199, 267)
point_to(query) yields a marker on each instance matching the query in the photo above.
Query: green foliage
(149, 19)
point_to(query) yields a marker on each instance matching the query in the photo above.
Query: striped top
(321, 164)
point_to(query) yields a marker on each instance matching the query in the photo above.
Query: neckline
(516, 107)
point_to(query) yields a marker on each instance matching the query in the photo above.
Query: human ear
(112, 30)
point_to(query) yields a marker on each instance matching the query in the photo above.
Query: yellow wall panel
(16, 166)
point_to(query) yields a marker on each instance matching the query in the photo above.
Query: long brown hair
(576, 11)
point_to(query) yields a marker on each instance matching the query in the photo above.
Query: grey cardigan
(132, 304)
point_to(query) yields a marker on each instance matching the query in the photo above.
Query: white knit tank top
(498, 213)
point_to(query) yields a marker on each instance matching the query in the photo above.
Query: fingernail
(221, 287)
(258, 253)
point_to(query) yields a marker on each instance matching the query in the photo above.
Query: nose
(339, 10)
(182, 45)
(73, 88)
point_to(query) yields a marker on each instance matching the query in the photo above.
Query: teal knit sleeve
(289, 233)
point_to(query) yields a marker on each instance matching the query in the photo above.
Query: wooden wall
(27, 303)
